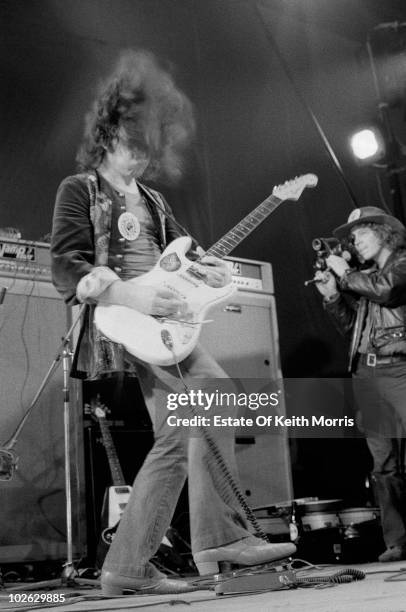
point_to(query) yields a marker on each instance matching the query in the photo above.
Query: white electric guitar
(116, 496)
(164, 341)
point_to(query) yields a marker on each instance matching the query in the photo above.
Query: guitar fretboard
(115, 468)
(227, 243)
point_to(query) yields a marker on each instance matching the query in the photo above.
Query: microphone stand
(64, 353)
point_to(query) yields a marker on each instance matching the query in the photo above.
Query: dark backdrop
(254, 132)
(231, 56)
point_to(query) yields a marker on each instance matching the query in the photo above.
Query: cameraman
(370, 306)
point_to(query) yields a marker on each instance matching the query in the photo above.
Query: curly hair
(389, 237)
(141, 98)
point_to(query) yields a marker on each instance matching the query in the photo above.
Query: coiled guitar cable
(341, 577)
(226, 483)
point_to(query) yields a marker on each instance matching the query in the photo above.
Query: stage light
(367, 145)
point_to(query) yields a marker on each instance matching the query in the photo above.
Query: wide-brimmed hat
(368, 214)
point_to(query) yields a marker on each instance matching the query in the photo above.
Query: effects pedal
(266, 577)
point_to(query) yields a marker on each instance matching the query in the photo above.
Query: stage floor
(373, 594)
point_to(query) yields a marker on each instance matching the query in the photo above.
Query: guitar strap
(162, 210)
(156, 211)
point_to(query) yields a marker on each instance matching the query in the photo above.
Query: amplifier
(244, 340)
(33, 319)
(25, 259)
(31, 260)
(251, 275)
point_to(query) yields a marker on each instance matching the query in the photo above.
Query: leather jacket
(376, 297)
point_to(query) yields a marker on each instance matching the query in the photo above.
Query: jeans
(380, 393)
(215, 518)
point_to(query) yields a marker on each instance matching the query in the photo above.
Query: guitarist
(109, 227)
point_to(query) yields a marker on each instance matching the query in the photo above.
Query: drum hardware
(362, 534)
(348, 535)
(351, 532)
(299, 515)
(295, 525)
(316, 515)
(324, 530)
(354, 521)
(321, 538)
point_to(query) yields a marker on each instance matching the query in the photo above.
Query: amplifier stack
(33, 320)
(243, 338)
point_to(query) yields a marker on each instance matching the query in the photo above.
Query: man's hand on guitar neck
(216, 272)
(148, 300)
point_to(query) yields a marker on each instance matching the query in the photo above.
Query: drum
(274, 526)
(320, 535)
(322, 505)
(321, 514)
(320, 520)
(362, 534)
(354, 516)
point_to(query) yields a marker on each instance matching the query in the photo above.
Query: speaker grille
(243, 338)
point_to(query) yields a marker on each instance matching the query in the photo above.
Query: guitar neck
(227, 243)
(115, 467)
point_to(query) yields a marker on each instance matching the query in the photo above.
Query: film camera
(329, 246)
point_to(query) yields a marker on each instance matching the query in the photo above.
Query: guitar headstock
(292, 190)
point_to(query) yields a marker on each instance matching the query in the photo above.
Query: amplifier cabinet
(33, 320)
(244, 339)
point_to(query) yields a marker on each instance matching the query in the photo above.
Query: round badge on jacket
(129, 226)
